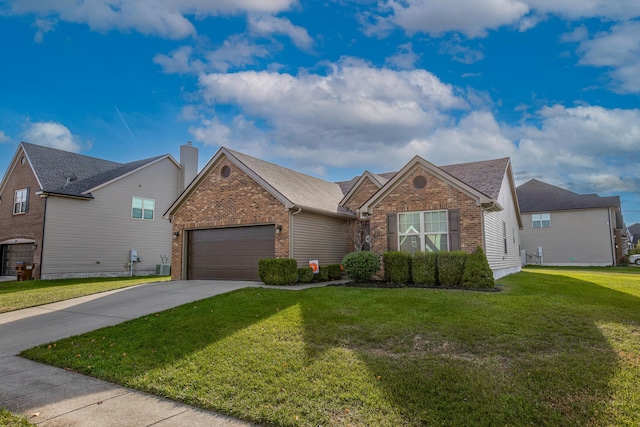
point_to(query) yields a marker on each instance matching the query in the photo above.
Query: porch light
(278, 228)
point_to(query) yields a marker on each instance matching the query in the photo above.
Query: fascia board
(263, 183)
(417, 161)
(514, 194)
(322, 212)
(357, 185)
(222, 152)
(14, 163)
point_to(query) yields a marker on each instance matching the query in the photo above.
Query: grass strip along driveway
(555, 347)
(31, 293)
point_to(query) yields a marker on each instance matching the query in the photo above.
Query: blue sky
(332, 88)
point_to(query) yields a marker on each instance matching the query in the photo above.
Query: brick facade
(436, 195)
(363, 193)
(234, 200)
(28, 225)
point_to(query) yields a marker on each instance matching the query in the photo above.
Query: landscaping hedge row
(447, 269)
(284, 271)
(422, 269)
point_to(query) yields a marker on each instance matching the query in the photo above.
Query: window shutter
(392, 232)
(26, 201)
(454, 230)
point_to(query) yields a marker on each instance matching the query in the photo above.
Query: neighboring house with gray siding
(83, 215)
(254, 209)
(564, 228)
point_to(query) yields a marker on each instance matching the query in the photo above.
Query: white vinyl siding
(497, 226)
(93, 237)
(318, 237)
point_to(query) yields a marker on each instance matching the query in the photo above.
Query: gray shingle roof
(485, 176)
(50, 166)
(538, 196)
(300, 189)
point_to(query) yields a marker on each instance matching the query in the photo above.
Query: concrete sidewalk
(50, 396)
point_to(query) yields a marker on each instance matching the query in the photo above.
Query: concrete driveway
(54, 397)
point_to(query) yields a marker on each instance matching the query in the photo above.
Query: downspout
(612, 237)
(291, 236)
(44, 221)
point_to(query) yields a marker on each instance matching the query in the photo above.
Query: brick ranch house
(240, 209)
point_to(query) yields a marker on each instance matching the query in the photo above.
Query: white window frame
(422, 233)
(504, 237)
(143, 210)
(541, 220)
(20, 201)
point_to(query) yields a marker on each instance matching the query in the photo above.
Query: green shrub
(323, 274)
(397, 267)
(361, 266)
(477, 273)
(424, 269)
(305, 274)
(278, 271)
(334, 271)
(451, 268)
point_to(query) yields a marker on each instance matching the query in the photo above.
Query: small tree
(477, 272)
(358, 234)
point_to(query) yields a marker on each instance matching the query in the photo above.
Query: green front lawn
(7, 419)
(30, 293)
(555, 347)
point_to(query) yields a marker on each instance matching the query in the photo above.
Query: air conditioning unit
(163, 269)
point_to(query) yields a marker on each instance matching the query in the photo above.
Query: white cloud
(353, 105)
(472, 18)
(353, 108)
(405, 58)
(177, 62)
(576, 9)
(581, 144)
(475, 18)
(266, 25)
(3, 137)
(459, 52)
(165, 18)
(43, 26)
(618, 49)
(52, 134)
(475, 137)
(235, 52)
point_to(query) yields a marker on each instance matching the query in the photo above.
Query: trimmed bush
(424, 269)
(397, 267)
(305, 274)
(451, 268)
(323, 274)
(477, 273)
(361, 266)
(278, 271)
(334, 271)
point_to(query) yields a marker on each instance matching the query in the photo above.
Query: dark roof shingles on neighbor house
(538, 196)
(50, 166)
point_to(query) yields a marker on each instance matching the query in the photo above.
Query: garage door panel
(229, 253)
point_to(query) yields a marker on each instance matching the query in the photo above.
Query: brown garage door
(229, 253)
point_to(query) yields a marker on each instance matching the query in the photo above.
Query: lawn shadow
(524, 356)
